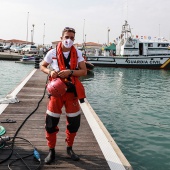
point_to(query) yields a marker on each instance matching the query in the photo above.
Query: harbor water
(133, 104)
(12, 74)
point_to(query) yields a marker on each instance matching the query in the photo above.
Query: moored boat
(28, 59)
(136, 53)
(89, 66)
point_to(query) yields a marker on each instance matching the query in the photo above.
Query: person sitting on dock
(67, 64)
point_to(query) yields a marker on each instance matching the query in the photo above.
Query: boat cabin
(129, 46)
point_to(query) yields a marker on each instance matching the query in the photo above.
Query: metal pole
(85, 45)
(83, 30)
(27, 26)
(159, 30)
(31, 36)
(44, 34)
(85, 38)
(33, 33)
(108, 36)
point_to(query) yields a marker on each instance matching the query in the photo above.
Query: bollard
(37, 62)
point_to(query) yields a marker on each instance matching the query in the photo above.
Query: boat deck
(86, 143)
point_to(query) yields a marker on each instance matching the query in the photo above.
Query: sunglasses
(69, 29)
(67, 37)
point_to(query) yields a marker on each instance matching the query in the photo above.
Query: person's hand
(64, 73)
(54, 74)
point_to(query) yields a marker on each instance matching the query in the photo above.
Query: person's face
(68, 35)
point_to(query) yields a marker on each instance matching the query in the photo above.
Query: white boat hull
(153, 62)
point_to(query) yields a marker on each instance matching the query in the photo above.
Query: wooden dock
(93, 143)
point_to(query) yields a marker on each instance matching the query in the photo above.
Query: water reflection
(88, 77)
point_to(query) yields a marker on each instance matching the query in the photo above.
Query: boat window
(128, 45)
(162, 45)
(150, 44)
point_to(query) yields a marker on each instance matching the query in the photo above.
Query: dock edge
(120, 161)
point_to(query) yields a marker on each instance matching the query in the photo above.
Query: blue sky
(146, 17)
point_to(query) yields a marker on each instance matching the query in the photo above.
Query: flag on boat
(149, 37)
(145, 37)
(136, 36)
(141, 37)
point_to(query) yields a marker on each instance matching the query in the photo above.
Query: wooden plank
(85, 144)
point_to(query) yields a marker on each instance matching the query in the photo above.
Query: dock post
(37, 62)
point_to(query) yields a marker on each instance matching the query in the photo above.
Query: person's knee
(73, 128)
(73, 124)
(51, 124)
(51, 129)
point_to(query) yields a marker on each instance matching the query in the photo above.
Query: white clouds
(146, 17)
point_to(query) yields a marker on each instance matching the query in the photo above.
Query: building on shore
(90, 48)
(14, 42)
(55, 43)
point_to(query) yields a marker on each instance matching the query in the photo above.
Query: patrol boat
(136, 53)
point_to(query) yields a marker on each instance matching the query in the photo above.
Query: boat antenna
(27, 27)
(127, 9)
(124, 13)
